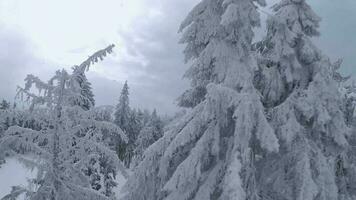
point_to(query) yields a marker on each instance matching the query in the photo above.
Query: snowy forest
(269, 118)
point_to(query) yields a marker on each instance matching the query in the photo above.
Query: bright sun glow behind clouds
(60, 30)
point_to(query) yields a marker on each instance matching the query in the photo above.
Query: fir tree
(211, 153)
(122, 112)
(300, 88)
(122, 118)
(68, 140)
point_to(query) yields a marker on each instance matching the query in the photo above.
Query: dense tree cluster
(142, 128)
(75, 146)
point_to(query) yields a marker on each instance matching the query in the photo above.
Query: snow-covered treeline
(76, 147)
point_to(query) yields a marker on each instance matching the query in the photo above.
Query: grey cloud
(15, 61)
(159, 83)
(155, 77)
(338, 29)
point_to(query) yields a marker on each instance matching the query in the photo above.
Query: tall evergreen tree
(122, 112)
(211, 153)
(68, 140)
(299, 86)
(122, 118)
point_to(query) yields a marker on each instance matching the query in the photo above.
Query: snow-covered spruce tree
(122, 112)
(149, 133)
(211, 152)
(123, 117)
(67, 141)
(300, 90)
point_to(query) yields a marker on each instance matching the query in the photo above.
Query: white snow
(121, 181)
(13, 173)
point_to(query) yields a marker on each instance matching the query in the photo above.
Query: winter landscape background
(141, 83)
(140, 28)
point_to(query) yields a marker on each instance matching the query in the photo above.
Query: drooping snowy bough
(68, 144)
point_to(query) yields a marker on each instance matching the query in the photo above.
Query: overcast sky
(40, 36)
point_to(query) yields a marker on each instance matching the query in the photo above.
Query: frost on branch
(67, 137)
